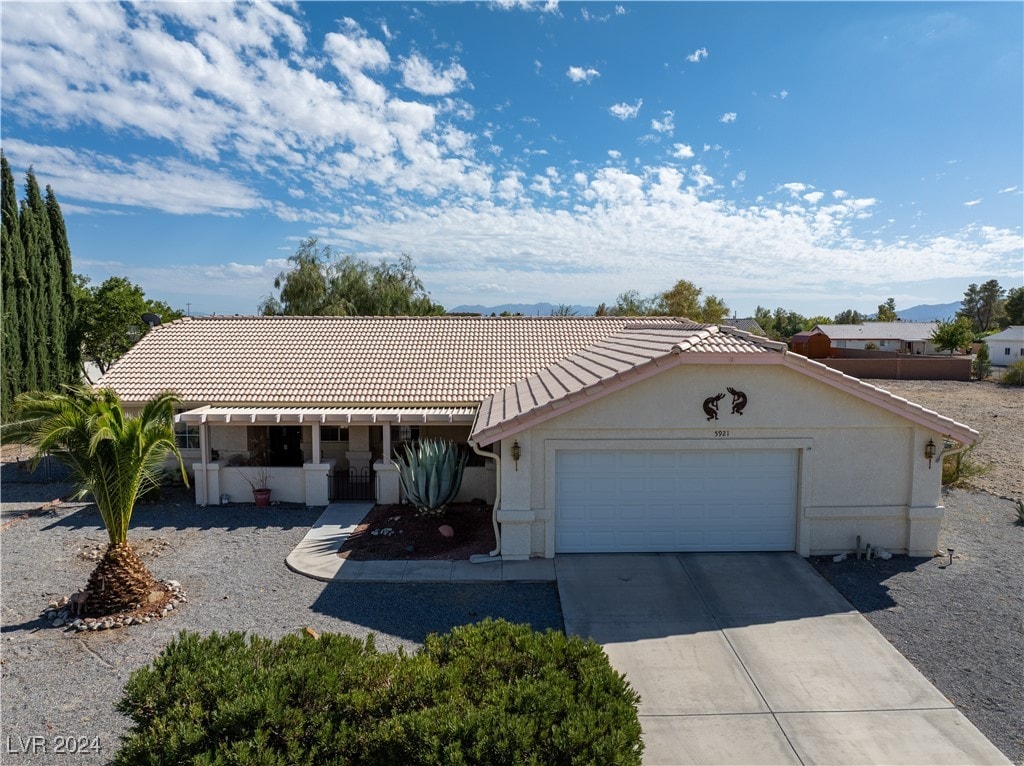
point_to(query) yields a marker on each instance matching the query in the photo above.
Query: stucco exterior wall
(861, 469)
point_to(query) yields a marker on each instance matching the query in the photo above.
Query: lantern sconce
(929, 452)
(517, 452)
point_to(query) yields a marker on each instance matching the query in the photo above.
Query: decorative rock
(840, 557)
(173, 585)
(446, 531)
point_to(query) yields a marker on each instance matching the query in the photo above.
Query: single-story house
(898, 337)
(1007, 346)
(586, 433)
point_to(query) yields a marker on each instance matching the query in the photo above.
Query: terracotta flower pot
(262, 497)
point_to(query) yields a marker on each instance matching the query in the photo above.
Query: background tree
(683, 299)
(39, 348)
(564, 310)
(850, 316)
(982, 305)
(67, 292)
(887, 311)
(953, 336)
(981, 367)
(12, 264)
(1013, 308)
(114, 458)
(632, 304)
(110, 318)
(322, 283)
(781, 324)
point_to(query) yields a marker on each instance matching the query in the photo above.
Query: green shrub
(1014, 375)
(959, 469)
(490, 693)
(981, 367)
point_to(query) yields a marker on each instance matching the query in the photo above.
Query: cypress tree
(43, 356)
(12, 265)
(72, 343)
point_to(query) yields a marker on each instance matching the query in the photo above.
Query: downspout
(497, 492)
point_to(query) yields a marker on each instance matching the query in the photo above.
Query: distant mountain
(930, 312)
(526, 309)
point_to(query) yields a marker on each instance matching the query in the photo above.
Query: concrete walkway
(755, 658)
(316, 556)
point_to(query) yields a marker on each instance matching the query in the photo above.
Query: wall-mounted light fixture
(517, 452)
(929, 452)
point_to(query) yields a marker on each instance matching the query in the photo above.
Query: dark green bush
(490, 693)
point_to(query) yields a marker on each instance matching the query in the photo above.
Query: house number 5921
(720, 434)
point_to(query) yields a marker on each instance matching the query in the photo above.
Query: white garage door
(671, 500)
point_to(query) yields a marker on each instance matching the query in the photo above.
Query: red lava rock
(446, 531)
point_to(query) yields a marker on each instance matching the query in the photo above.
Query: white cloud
(739, 179)
(728, 117)
(682, 151)
(666, 124)
(421, 76)
(697, 55)
(582, 74)
(814, 197)
(620, 11)
(626, 111)
(794, 188)
(238, 86)
(1009, 189)
(168, 185)
(615, 154)
(973, 202)
(839, 194)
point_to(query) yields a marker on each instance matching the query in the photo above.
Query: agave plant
(431, 474)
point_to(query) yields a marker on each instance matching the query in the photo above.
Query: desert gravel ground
(994, 410)
(231, 563)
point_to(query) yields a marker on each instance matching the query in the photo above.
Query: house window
(333, 434)
(1006, 351)
(186, 435)
(405, 433)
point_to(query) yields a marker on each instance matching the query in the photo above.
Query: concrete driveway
(755, 658)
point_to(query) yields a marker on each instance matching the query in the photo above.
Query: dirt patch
(396, 532)
(995, 411)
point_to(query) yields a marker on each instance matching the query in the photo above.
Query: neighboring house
(1006, 347)
(588, 433)
(897, 337)
(746, 325)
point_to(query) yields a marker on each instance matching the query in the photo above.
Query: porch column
(386, 434)
(204, 443)
(316, 442)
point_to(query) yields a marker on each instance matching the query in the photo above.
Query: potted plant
(257, 478)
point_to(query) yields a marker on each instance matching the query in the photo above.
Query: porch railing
(349, 484)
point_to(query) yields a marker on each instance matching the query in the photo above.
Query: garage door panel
(665, 500)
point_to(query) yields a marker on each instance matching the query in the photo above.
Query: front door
(286, 445)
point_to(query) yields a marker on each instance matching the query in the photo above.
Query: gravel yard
(995, 411)
(961, 625)
(231, 563)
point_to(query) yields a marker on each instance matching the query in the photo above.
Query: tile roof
(880, 330)
(625, 357)
(354, 360)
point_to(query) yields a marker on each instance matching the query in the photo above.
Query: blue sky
(816, 156)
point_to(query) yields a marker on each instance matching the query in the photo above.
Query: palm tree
(113, 457)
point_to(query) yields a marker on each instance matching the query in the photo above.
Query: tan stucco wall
(861, 468)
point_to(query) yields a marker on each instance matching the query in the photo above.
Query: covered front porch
(305, 453)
